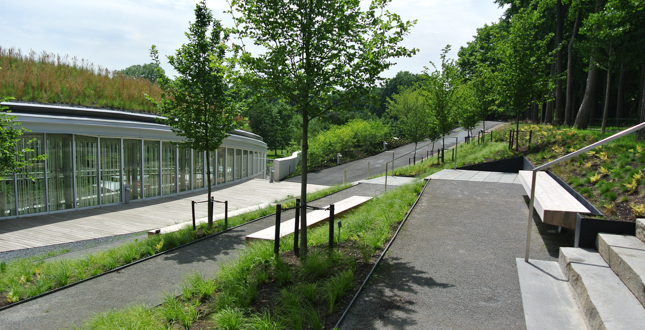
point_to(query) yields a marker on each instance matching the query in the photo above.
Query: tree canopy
(146, 71)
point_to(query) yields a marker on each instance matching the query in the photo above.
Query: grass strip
(260, 291)
(25, 278)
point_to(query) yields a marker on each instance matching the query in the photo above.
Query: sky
(115, 34)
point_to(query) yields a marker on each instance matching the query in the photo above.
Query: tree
(273, 120)
(12, 158)
(314, 49)
(521, 56)
(414, 119)
(440, 91)
(201, 107)
(394, 85)
(469, 111)
(146, 71)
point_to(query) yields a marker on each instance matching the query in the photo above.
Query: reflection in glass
(31, 193)
(110, 171)
(87, 192)
(169, 175)
(230, 156)
(198, 172)
(151, 168)
(221, 156)
(184, 169)
(132, 167)
(7, 196)
(60, 172)
(238, 164)
(212, 165)
(245, 163)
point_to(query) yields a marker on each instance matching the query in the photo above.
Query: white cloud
(118, 33)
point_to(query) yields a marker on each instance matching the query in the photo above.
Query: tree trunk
(582, 119)
(641, 106)
(605, 110)
(535, 110)
(559, 104)
(621, 92)
(303, 183)
(208, 177)
(568, 111)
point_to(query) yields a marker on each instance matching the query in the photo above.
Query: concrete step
(548, 299)
(625, 255)
(640, 229)
(605, 300)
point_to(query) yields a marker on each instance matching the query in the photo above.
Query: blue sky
(118, 33)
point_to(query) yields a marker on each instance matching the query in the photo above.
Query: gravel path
(453, 264)
(148, 281)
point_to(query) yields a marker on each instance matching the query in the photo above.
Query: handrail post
(296, 249)
(331, 226)
(528, 227)
(192, 204)
(386, 164)
(456, 143)
(392, 168)
(225, 214)
(276, 242)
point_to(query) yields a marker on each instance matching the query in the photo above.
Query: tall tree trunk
(582, 119)
(303, 183)
(568, 111)
(641, 106)
(621, 92)
(605, 110)
(548, 116)
(559, 104)
(535, 111)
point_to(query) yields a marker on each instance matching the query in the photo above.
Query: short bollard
(331, 226)
(339, 225)
(296, 249)
(368, 170)
(276, 242)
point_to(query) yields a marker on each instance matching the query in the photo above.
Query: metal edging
(387, 247)
(149, 257)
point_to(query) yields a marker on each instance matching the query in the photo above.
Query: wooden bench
(313, 218)
(552, 202)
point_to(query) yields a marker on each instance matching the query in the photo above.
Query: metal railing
(560, 160)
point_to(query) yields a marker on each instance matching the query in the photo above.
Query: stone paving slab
(475, 176)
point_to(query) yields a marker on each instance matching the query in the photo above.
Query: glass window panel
(184, 169)
(31, 193)
(60, 172)
(230, 156)
(7, 196)
(221, 156)
(238, 164)
(110, 171)
(151, 168)
(169, 175)
(87, 192)
(132, 167)
(198, 164)
(245, 163)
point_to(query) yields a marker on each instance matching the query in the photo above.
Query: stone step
(625, 255)
(640, 229)
(548, 299)
(605, 300)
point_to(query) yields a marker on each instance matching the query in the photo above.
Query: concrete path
(148, 281)
(357, 170)
(85, 224)
(453, 266)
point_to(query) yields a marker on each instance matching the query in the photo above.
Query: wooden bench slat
(552, 202)
(313, 218)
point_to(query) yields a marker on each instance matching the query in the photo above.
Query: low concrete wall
(285, 166)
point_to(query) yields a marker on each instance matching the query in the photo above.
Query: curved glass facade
(84, 171)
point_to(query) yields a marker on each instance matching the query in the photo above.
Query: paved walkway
(453, 264)
(57, 228)
(476, 176)
(357, 170)
(146, 282)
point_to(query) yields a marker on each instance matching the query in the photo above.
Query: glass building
(96, 157)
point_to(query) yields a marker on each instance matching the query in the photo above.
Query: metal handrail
(560, 160)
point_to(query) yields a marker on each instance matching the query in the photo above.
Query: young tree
(12, 158)
(414, 119)
(201, 107)
(440, 92)
(521, 56)
(318, 55)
